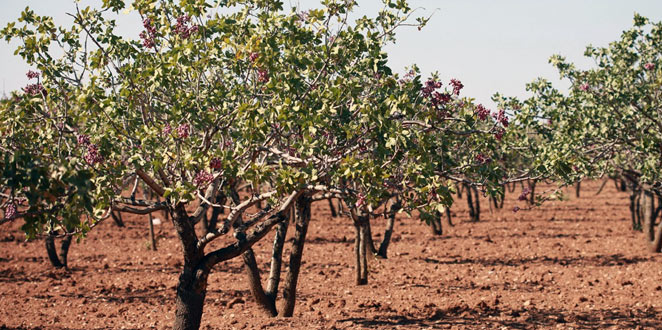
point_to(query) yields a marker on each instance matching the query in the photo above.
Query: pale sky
(490, 45)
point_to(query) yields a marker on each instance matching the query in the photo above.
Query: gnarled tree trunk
(301, 228)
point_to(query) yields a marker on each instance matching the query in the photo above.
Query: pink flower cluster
(524, 195)
(584, 87)
(32, 74)
(216, 163)
(253, 57)
(430, 86)
(649, 66)
(183, 27)
(34, 89)
(149, 35)
(10, 211)
(167, 129)
(202, 179)
(457, 86)
(482, 112)
(498, 134)
(501, 117)
(183, 130)
(360, 200)
(92, 156)
(83, 139)
(262, 75)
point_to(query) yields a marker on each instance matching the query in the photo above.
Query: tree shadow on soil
(596, 261)
(533, 318)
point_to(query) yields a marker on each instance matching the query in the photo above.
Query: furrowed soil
(571, 264)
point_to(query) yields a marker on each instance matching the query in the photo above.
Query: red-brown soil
(571, 264)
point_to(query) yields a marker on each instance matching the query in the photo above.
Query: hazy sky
(490, 45)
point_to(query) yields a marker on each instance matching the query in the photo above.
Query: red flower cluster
(457, 86)
(35, 89)
(482, 112)
(32, 74)
(524, 195)
(202, 179)
(262, 75)
(92, 156)
(501, 117)
(584, 87)
(183, 28)
(361, 200)
(10, 211)
(649, 66)
(83, 139)
(167, 130)
(430, 87)
(216, 163)
(149, 34)
(183, 130)
(253, 57)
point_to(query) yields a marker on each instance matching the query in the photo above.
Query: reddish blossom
(216, 163)
(262, 75)
(524, 195)
(482, 159)
(167, 130)
(92, 156)
(32, 74)
(457, 86)
(360, 200)
(83, 139)
(649, 66)
(203, 178)
(35, 89)
(482, 112)
(183, 130)
(584, 87)
(501, 117)
(253, 57)
(10, 211)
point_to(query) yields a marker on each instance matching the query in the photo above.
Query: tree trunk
(255, 283)
(52, 252)
(435, 225)
(369, 243)
(152, 239)
(301, 227)
(192, 285)
(470, 203)
(276, 261)
(656, 245)
(577, 188)
(117, 218)
(191, 291)
(476, 217)
(532, 196)
(648, 211)
(64, 250)
(333, 209)
(388, 232)
(363, 252)
(449, 217)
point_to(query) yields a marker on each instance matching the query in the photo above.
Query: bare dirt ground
(574, 264)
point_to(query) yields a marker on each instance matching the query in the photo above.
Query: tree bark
(276, 261)
(333, 209)
(64, 250)
(578, 188)
(648, 211)
(476, 204)
(470, 203)
(436, 226)
(52, 252)
(301, 227)
(388, 232)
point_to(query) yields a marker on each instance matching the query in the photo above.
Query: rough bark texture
(388, 232)
(301, 227)
(276, 261)
(52, 252)
(333, 209)
(648, 210)
(255, 284)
